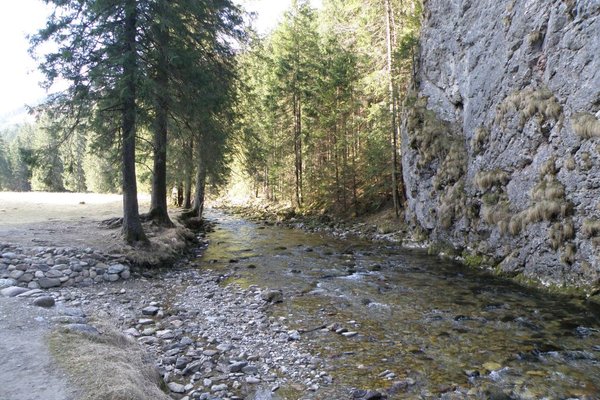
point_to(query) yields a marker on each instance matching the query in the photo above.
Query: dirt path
(27, 370)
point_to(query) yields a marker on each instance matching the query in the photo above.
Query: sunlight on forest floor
(30, 207)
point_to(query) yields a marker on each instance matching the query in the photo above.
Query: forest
(162, 94)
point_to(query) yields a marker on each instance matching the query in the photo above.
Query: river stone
(44, 301)
(82, 328)
(250, 370)
(272, 296)
(16, 274)
(176, 387)
(182, 362)
(116, 269)
(150, 310)
(224, 347)
(53, 273)
(7, 282)
(26, 278)
(9, 255)
(219, 388)
(13, 291)
(110, 277)
(30, 293)
(46, 283)
(237, 366)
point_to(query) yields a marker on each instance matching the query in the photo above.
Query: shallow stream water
(425, 328)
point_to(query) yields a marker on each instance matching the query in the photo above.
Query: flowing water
(431, 325)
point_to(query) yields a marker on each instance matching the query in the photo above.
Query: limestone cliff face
(501, 145)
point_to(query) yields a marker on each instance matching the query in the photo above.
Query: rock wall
(501, 144)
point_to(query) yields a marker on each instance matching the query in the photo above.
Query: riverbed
(410, 325)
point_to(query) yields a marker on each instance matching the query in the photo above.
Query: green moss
(443, 248)
(474, 260)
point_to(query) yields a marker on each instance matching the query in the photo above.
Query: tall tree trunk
(393, 111)
(158, 202)
(298, 148)
(132, 227)
(198, 207)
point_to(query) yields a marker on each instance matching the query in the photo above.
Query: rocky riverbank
(208, 341)
(48, 267)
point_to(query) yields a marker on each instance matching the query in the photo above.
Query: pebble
(44, 301)
(272, 296)
(150, 310)
(176, 387)
(218, 388)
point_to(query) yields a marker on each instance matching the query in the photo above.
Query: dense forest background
(308, 115)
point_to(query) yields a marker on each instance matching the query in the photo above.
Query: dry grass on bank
(108, 366)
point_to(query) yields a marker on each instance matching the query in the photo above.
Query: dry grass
(452, 205)
(569, 163)
(535, 38)
(561, 233)
(166, 244)
(107, 367)
(479, 139)
(591, 228)
(585, 125)
(452, 168)
(586, 161)
(431, 136)
(568, 254)
(529, 103)
(549, 203)
(488, 179)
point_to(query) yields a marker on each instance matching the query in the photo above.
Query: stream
(409, 324)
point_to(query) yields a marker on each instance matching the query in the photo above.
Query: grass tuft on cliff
(586, 125)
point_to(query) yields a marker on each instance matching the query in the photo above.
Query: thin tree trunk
(198, 207)
(158, 202)
(392, 94)
(188, 171)
(132, 227)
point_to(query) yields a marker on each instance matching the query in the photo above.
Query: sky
(19, 79)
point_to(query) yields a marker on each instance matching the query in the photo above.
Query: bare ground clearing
(61, 219)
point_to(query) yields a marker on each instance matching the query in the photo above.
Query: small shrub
(585, 125)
